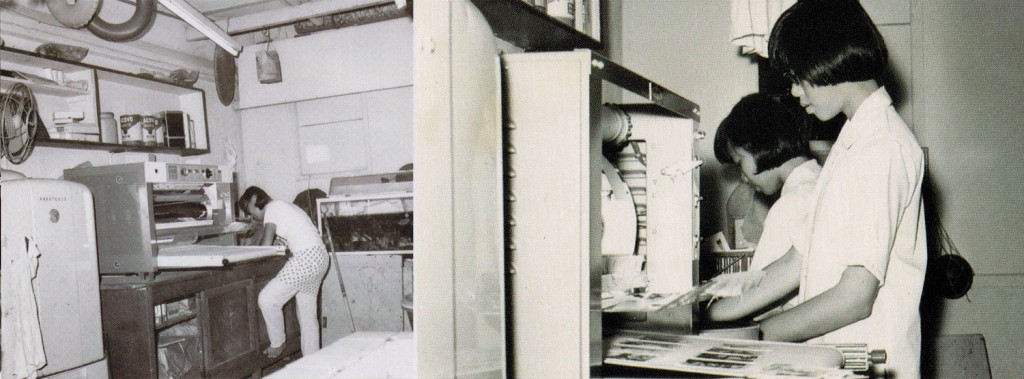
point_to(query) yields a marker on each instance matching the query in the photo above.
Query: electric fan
(19, 121)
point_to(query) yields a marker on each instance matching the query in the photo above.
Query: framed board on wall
(333, 135)
(333, 147)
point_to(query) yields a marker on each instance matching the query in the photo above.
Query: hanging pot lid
(953, 276)
(225, 75)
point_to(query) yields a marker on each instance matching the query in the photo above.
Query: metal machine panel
(553, 181)
(670, 207)
(143, 206)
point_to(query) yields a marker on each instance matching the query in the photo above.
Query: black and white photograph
(511, 189)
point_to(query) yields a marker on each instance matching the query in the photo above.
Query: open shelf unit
(92, 90)
(533, 30)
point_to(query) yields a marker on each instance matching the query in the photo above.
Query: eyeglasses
(791, 76)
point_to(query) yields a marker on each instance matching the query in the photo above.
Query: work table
(191, 323)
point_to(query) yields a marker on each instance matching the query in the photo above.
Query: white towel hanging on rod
(752, 22)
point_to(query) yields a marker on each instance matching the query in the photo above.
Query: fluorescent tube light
(189, 14)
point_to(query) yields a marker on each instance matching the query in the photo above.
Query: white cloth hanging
(752, 22)
(22, 336)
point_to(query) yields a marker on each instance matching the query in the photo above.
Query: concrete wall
(684, 46)
(326, 119)
(162, 49)
(968, 82)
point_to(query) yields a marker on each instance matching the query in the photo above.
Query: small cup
(624, 266)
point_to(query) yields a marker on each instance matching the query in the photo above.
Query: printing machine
(153, 216)
(602, 206)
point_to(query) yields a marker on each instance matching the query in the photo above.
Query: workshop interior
(503, 188)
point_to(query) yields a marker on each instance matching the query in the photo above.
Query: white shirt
(293, 225)
(866, 211)
(787, 214)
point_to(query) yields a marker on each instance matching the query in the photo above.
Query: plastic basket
(732, 261)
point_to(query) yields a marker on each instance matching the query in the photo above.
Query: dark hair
(770, 130)
(253, 192)
(827, 42)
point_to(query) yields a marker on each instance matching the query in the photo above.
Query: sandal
(274, 352)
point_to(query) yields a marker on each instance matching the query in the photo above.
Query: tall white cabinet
(557, 137)
(508, 210)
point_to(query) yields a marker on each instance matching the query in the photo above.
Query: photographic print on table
(714, 364)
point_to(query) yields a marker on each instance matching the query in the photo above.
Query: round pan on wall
(225, 75)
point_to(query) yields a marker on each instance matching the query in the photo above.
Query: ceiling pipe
(197, 20)
(134, 28)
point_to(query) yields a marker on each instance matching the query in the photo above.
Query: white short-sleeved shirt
(866, 211)
(786, 214)
(293, 225)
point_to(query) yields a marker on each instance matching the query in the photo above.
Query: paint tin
(149, 125)
(131, 129)
(563, 10)
(161, 130)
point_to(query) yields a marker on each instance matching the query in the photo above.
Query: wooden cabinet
(364, 289)
(202, 323)
(92, 90)
(229, 312)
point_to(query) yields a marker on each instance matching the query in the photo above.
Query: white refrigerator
(49, 263)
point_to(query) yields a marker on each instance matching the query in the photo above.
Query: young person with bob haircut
(767, 140)
(862, 252)
(301, 275)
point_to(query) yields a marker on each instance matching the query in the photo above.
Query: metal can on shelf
(562, 10)
(161, 130)
(149, 125)
(131, 129)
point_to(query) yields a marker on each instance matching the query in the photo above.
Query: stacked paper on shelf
(75, 131)
(67, 117)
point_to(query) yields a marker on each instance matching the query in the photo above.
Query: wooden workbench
(209, 323)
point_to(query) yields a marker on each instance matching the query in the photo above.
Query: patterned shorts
(306, 269)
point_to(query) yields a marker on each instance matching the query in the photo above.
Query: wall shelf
(99, 90)
(42, 88)
(529, 28)
(118, 148)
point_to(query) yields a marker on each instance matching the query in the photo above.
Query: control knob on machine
(208, 173)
